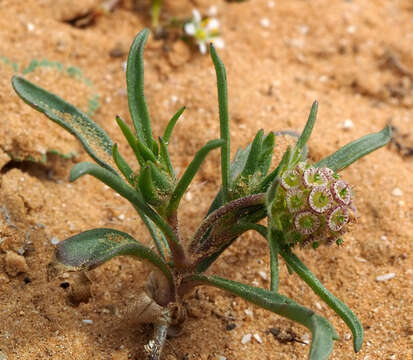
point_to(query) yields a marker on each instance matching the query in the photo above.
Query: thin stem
(211, 219)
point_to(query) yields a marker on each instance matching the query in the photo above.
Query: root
(155, 346)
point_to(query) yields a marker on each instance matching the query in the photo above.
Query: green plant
(249, 193)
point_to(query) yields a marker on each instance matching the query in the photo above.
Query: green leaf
(165, 159)
(267, 152)
(92, 248)
(336, 304)
(355, 150)
(190, 172)
(253, 156)
(146, 153)
(171, 124)
(124, 190)
(132, 141)
(136, 97)
(94, 139)
(223, 120)
(161, 179)
(147, 188)
(323, 333)
(305, 135)
(122, 165)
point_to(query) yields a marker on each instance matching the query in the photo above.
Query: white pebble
(318, 306)
(121, 217)
(397, 192)
(54, 240)
(249, 312)
(265, 22)
(174, 99)
(351, 29)
(246, 339)
(385, 277)
(87, 321)
(213, 11)
(188, 196)
(258, 338)
(220, 357)
(347, 336)
(30, 27)
(263, 275)
(348, 124)
(383, 237)
(306, 338)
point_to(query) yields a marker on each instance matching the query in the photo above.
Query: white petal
(190, 28)
(202, 48)
(219, 43)
(196, 15)
(213, 24)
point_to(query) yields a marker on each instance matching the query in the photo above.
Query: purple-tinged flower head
(313, 205)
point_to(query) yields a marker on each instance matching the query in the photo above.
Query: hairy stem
(211, 219)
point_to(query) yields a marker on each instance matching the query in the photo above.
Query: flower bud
(312, 205)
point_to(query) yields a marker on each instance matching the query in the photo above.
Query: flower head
(204, 31)
(313, 205)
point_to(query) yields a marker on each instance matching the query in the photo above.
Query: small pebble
(246, 339)
(249, 312)
(306, 338)
(121, 217)
(15, 264)
(265, 22)
(54, 240)
(87, 321)
(347, 336)
(263, 275)
(318, 306)
(213, 11)
(385, 277)
(383, 237)
(348, 124)
(258, 338)
(220, 357)
(30, 27)
(351, 29)
(397, 192)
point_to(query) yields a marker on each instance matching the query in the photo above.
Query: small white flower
(204, 31)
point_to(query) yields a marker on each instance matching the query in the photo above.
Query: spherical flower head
(313, 205)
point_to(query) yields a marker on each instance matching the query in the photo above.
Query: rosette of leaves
(250, 192)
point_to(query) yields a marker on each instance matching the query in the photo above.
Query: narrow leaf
(305, 135)
(254, 155)
(165, 159)
(124, 190)
(190, 172)
(147, 188)
(171, 124)
(92, 248)
(223, 120)
(122, 165)
(146, 152)
(336, 304)
(136, 98)
(132, 141)
(267, 152)
(93, 138)
(355, 150)
(323, 333)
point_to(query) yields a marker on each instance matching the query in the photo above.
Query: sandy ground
(354, 57)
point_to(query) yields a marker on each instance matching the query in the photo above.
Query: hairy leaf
(93, 138)
(92, 248)
(223, 120)
(136, 97)
(355, 150)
